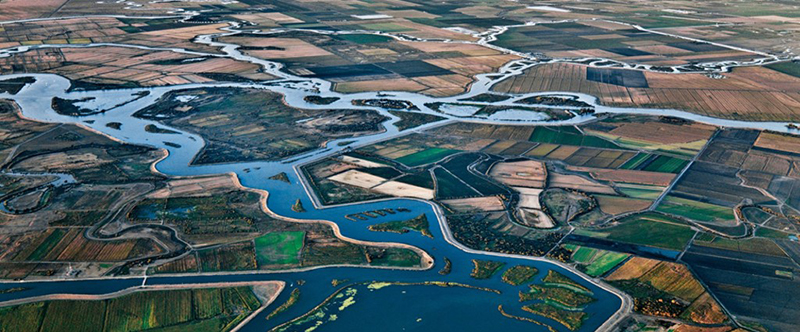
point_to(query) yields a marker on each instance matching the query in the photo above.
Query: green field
(568, 135)
(655, 163)
(641, 191)
(420, 179)
(647, 229)
(584, 255)
(425, 156)
(761, 246)
(634, 162)
(448, 186)
(603, 263)
(48, 244)
(666, 164)
(363, 38)
(788, 68)
(771, 233)
(385, 27)
(213, 309)
(695, 210)
(397, 257)
(279, 248)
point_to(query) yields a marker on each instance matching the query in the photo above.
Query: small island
(298, 206)
(417, 224)
(485, 269)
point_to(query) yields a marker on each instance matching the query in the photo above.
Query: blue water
(464, 309)
(464, 306)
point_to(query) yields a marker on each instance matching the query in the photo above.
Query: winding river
(395, 307)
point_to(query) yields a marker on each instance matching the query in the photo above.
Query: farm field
(217, 309)
(646, 229)
(114, 66)
(333, 192)
(748, 284)
(733, 170)
(611, 41)
(279, 248)
(696, 210)
(595, 262)
(749, 93)
(674, 136)
(666, 289)
(363, 62)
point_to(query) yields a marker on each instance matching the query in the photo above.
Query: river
(430, 307)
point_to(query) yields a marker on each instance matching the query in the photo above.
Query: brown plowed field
(748, 93)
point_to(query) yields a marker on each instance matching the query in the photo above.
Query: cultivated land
(196, 307)
(748, 93)
(696, 223)
(359, 62)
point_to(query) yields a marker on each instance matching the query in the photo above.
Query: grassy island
(318, 100)
(553, 294)
(519, 275)
(293, 297)
(558, 279)
(485, 269)
(413, 120)
(298, 206)
(448, 266)
(570, 319)
(151, 128)
(417, 224)
(280, 177)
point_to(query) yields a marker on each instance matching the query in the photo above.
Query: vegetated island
(448, 266)
(114, 125)
(485, 269)
(571, 319)
(519, 275)
(555, 278)
(418, 224)
(412, 120)
(293, 298)
(280, 177)
(298, 206)
(554, 294)
(318, 100)
(151, 128)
